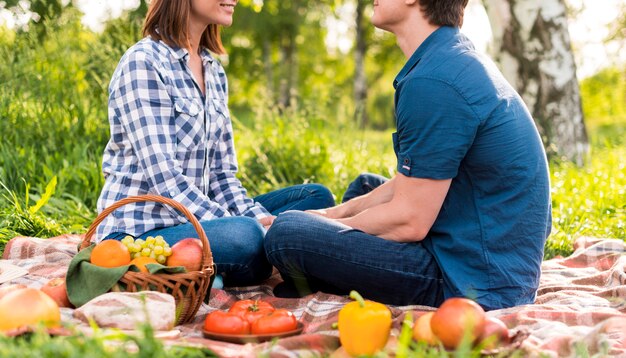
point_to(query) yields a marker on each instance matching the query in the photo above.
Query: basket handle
(207, 256)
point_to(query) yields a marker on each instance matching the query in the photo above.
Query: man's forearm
(410, 213)
(378, 196)
(387, 222)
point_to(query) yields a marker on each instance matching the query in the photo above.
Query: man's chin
(378, 24)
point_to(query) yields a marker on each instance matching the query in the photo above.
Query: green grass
(111, 345)
(588, 201)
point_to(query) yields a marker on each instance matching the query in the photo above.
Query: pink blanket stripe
(581, 301)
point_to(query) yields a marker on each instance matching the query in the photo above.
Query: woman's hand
(267, 221)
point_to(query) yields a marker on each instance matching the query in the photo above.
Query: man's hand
(267, 221)
(320, 212)
(334, 212)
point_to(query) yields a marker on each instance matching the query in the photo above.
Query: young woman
(171, 135)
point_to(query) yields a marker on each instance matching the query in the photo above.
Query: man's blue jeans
(237, 242)
(313, 254)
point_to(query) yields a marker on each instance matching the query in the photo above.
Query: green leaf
(406, 334)
(45, 197)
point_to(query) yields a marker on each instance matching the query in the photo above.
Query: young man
(468, 212)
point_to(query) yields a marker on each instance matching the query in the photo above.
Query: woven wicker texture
(190, 288)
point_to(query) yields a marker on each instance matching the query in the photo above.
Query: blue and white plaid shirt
(166, 139)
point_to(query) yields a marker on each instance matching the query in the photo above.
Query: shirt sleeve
(146, 111)
(225, 186)
(436, 127)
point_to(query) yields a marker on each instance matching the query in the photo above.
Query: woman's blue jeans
(313, 254)
(237, 242)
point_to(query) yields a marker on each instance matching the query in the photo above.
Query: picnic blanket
(581, 302)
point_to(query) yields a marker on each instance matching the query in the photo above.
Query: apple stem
(357, 297)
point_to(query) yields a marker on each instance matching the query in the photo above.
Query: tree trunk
(289, 65)
(532, 47)
(269, 68)
(360, 79)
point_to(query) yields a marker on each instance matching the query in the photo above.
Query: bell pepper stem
(357, 297)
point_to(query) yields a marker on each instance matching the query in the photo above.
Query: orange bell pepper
(364, 326)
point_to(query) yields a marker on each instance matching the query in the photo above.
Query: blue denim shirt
(169, 139)
(458, 118)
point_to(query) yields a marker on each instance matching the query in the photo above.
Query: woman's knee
(323, 195)
(243, 235)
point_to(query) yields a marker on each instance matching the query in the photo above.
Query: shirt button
(406, 161)
(172, 193)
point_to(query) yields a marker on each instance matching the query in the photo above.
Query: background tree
(362, 39)
(277, 29)
(42, 11)
(532, 47)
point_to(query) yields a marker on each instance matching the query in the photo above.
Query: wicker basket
(188, 288)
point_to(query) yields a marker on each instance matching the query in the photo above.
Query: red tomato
(278, 321)
(251, 309)
(226, 323)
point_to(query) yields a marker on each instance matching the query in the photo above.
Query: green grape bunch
(154, 247)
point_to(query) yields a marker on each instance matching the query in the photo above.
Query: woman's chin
(225, 21)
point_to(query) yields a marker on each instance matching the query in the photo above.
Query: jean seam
(270, 252)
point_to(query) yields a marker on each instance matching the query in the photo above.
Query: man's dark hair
(444, 12)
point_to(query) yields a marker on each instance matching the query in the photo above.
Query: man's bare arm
(378, 196)
(410, 213)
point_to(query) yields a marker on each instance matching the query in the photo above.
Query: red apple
(4, 290)
(26, 307)
(187, 253)
(494, 333)
(456, 320)
(57, 290)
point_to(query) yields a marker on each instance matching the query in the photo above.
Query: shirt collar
(179, 53)
(206, 56)
(438, 36)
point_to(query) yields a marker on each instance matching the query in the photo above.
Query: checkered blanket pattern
(581, 300)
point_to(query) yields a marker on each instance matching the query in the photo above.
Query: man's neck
(412, 33)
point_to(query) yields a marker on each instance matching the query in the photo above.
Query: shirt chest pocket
(189, 124)
(219, 118)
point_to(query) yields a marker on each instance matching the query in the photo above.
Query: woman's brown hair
(168, 21)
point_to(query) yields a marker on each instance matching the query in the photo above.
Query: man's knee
(282, 226)
(370, 179)
(286, 230)
(363, 184)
